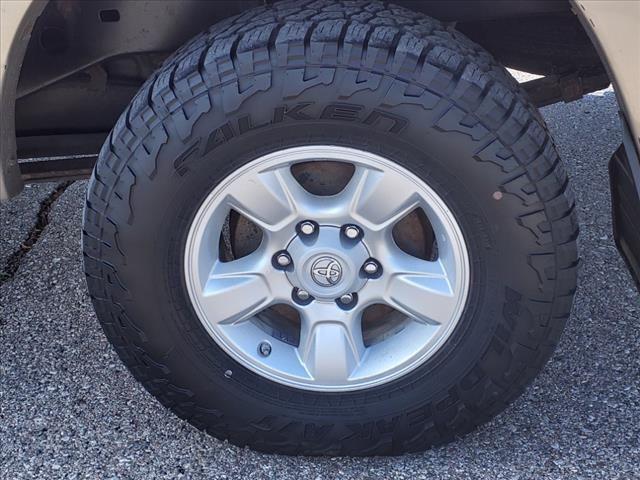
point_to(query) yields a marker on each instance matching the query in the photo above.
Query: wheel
(331, 229)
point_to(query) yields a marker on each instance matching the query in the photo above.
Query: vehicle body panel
(614, 28)
(17, 19)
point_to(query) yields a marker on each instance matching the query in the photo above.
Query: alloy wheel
(326, 261)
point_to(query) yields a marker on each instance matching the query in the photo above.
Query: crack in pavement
(14, 260)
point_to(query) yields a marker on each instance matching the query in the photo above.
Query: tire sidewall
(444, 160)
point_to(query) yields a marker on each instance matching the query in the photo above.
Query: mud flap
(625, 202)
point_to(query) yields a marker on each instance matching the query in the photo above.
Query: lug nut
(352, 232)
(370, 267)
(264, 349)
(302, 295)
(283, 259)
(307, 228)
(346, 299)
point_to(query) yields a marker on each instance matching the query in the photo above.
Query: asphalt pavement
(69, 409)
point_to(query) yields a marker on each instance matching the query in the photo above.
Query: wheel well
(86, 60)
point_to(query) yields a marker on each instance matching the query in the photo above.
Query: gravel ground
(68, 408)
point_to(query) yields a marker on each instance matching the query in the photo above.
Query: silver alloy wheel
(327, 264)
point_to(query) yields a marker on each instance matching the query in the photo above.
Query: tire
(370, 76)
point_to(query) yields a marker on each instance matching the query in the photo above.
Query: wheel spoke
(237, 290)
(270, 199)
(379, 199)
(420, 289)
(331, 344)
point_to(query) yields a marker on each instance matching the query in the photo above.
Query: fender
(612, 32)
(17, 20)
